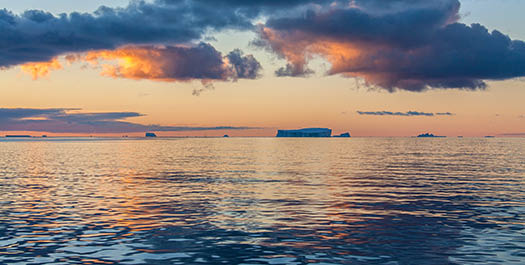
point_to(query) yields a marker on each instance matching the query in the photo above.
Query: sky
(248, 68)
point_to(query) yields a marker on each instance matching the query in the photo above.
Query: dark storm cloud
(60, 120)
(408, 113)
(415, 46)
(37, 36)
(249, 9)
(405, 28)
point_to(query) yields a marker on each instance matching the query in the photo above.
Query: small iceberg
(429, 135)
(151, 135)
(343, 135)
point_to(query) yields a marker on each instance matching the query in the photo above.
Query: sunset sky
(246, 68)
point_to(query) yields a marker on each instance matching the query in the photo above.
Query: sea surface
(262, 201)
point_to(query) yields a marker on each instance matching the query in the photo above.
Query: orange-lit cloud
(161, 63)
(410, 47)
(299, 48)
(41, 69)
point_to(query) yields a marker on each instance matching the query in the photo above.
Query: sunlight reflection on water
(262, 201)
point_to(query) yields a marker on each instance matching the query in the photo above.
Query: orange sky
(273, 103)
(269, 102)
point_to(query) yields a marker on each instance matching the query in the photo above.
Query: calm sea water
(262, 201)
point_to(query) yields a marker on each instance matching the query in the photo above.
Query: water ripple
(263, 201)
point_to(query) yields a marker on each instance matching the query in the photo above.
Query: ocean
(262, 201)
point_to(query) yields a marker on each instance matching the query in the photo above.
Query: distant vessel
(306, 132)
(150, 134)
(18, 136)
(226, 136)
(343, 135)
(429, 135)
(490, 136)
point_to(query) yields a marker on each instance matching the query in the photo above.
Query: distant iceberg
(306, 132)
(150, 134)
(429, 135)
(343, 135)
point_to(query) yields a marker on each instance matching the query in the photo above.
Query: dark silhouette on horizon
(429, 135)
(151, 135)
(343, 135)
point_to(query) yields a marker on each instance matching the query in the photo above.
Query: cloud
(206, 86)
(21, 113)
(172, 63)
(149, 40)
(39, 36)
(256, 8)
(243, 66)
(445, 114)
(295, 70)
(161, 63)
(411, 45)
(408, 113)
(64, 120)
(254, 3)
(514, 134)
(40, 69)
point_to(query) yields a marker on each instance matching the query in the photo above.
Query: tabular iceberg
(307, 132)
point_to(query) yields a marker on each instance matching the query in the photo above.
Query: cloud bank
(64, 120)
(514, 134)
(406, 114)
(412, 45)
(150, 40)
(39, 36)
(400, 44)
(161, 63)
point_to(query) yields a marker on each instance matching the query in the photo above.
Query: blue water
(262, 201)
